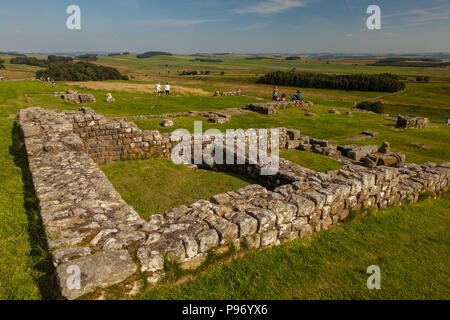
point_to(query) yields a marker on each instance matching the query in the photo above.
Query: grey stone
(99, 270)
(150, 260)
(207, 239)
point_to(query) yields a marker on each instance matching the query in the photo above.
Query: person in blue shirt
(297, 96)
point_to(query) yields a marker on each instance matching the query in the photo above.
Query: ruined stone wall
(90, 227)
(108, 140)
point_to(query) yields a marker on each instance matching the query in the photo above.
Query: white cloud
(348, 35)
(423, 15)
(270, 7)
(251, 27)
(174, 22)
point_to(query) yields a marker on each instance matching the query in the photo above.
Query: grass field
(409, 243)
(164, 185)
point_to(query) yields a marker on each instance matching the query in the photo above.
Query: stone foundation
(405, 122)
(90, 228)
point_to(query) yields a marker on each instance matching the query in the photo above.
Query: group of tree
(80, 71)
(358, 82)
(212, 60)
(118, 54)
(12, 53)
(150, 54)
(425, 79)
(44, 63)
(194, 73)
(2, 66)
(292, 58)
(375, 106)
(87, 57)
(30, 61)
(260, 58)
(405, 62)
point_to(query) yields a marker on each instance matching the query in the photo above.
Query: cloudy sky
(241, 26)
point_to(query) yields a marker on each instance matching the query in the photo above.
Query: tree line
(80, 71)
(152, 54)
(44, 63)
(404, 62)
(359, 82)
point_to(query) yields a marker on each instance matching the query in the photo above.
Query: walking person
(167, 89)
(158, 88)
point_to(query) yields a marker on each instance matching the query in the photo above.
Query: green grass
(408, 243)
(310, 160)
(13, 96)
(164, 185)
(26, 271)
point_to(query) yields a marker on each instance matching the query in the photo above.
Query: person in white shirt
(167, 89)
(158, 88)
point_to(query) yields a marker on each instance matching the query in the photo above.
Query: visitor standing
(158, 88)
(275, 93)
(167, 89)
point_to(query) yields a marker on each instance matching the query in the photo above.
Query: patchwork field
(410, 242)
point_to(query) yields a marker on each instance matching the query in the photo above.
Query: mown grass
(408, 243)
(164, 185)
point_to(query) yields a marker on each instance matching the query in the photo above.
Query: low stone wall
(91, 229)
(108, 140)
(367, 155)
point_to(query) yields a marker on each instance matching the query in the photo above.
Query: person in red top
(275, 93)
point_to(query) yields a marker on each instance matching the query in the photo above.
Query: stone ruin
(109, 98)
(167, 123)
(72, 96)
(218, 117)
(405, 122)
(368, 155)
(89, 226)
(228, 93)
(272, 107)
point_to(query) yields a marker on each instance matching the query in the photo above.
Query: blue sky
(241, 26)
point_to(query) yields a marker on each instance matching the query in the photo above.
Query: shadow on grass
(40, 255)
(243, 177)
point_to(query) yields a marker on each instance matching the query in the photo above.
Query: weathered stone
(266, 219)
(385, 147)
(207, 239)
(99, 270)
(175, 251)
(268, 237)
(69, 253)
(150, 260)
(167, 123)
(109, 98)
(247, 224)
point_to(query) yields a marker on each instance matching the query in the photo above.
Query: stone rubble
(72, 96)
